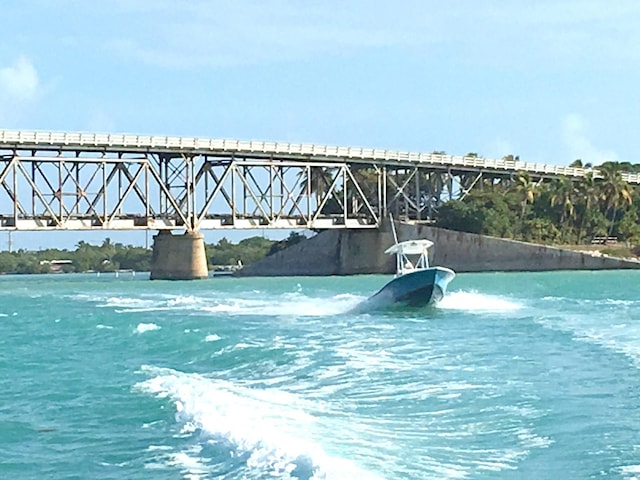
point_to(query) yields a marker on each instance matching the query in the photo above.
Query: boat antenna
(393, 228)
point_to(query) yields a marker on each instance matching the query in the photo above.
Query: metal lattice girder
(100, 192)
(278, 194)
(96, 181)
(414, 193)
(83, 190)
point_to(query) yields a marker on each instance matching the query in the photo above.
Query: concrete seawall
(349, 252)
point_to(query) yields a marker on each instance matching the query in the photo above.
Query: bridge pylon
(178, 257)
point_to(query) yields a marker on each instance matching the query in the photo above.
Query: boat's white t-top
(417, 248)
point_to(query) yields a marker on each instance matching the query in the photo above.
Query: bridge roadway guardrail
(69, 141)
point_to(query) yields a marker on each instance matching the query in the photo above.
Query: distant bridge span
(87, 181)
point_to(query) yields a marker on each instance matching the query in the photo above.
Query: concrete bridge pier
(352, 252)
(178, 257)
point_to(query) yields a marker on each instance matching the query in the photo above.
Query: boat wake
(293, 304)
(477, 302)
(611, 331)
(268, 432)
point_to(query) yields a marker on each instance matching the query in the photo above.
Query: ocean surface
(512, 376)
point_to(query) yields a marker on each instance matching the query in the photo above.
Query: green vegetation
(110, 257)
(107, 257)
(559, 211)
(248, 250)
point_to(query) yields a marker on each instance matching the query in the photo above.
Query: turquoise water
(512, 376)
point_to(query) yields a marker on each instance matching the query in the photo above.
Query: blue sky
(550, 81)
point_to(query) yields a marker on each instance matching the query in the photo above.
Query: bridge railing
(67, 140)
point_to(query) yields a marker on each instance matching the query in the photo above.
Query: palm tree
(589, 194)
(318, 180)
(562, 195)
(615, 190)
(368, 179)
(526, 190)
(577, 163)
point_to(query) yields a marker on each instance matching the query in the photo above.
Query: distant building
(56, 266)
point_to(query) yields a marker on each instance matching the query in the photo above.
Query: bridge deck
(65, 141)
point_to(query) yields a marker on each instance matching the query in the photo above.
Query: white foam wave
(294, 304)
(126, 302)
(223, 308)
(270, 427)
(151, 304)
(243, 303)
(532, 440)
(595, 302)
(630, 472)
(192, 467)
(212, 338)
(146, 327)
(616, 335)
(104, 327)
(477, 302)
(162, 448)
(142, 310)
(188, 300)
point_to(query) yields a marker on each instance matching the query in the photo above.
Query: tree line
(107, 257)
(559, 211)
(112, 257)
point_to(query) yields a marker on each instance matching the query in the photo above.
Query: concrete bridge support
(349, 252)
(178, 257)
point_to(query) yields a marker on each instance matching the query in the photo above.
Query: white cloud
(19, 81)
(575, 134)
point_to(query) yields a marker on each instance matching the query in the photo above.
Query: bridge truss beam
(63, 181)
(43, 190)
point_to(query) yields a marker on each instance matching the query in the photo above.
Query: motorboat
(415, 283)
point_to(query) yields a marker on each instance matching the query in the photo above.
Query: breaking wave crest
(477, 302)
(270, 431)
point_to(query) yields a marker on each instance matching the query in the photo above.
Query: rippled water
(520, 375)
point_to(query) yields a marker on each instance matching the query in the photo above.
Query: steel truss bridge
(83, 181)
